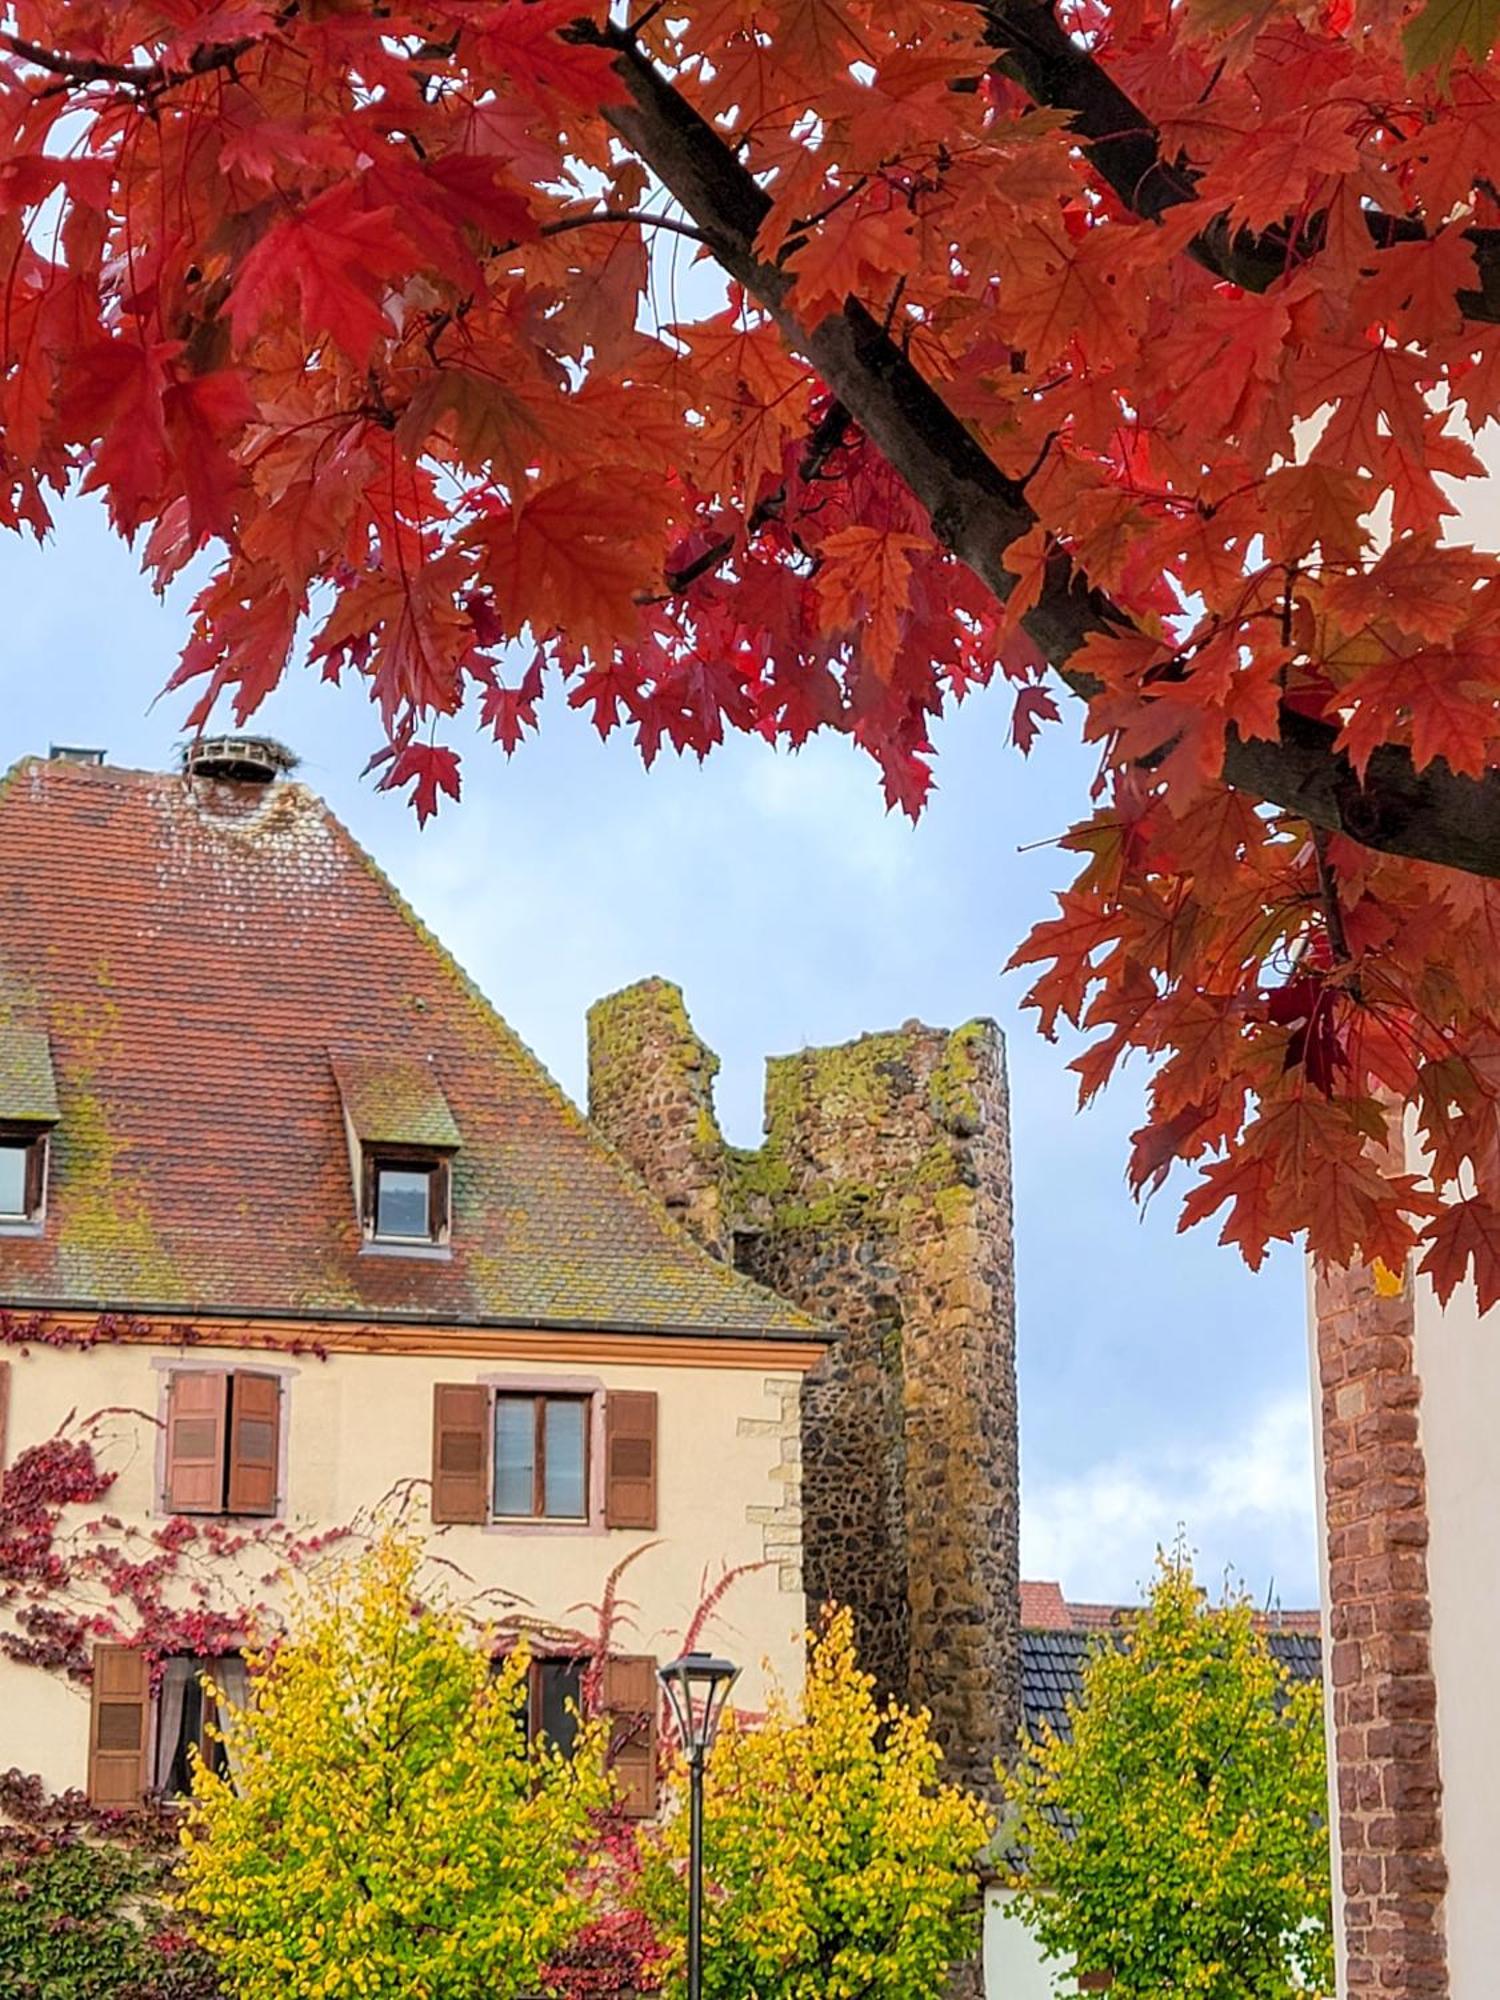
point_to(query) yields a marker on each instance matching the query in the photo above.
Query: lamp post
(697, 1687)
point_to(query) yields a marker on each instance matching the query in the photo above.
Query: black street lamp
(697, 1687)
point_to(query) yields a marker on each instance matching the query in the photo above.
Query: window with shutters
(406, 1196)
(223, 1442)
(554, 1701)
(23, 1176)
(529, 1453)
(541, 1458)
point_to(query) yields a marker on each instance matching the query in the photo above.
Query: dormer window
(402, 1140)
(406, 1197)
(28, 1111)
(23, 1174)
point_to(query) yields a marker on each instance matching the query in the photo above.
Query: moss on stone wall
(843, 1088)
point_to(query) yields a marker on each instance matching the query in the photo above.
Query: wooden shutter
(254, 1443)
(631, 1697)
(118, 1717)
(196, 1404)
(36, 1176)
(630, 1458)
(460, 1452)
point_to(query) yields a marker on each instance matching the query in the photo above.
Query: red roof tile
(196, 953)
(1045, 1609)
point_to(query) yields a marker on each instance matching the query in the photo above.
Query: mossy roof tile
(28, 1089)
(195, 965)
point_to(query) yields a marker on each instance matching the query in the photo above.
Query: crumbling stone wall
(651, 1092)
(880, 1202)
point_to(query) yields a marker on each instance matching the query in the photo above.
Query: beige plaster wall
(358, 1429)
(1458, 1358)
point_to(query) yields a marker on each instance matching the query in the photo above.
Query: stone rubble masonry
(651, 1092)
(1383, 1694)
(781, 1523)
(880, 1202)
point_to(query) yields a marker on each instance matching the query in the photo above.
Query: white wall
(1458, 1358)
(1014, 1968)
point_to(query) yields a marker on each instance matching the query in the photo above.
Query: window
(128, 1757)
(23, 1173)
(522, 1451)
(541, 1458)
(223, 1442)
(628, 1699)
(555, 1701)
(406, 1198)
(186, 1714)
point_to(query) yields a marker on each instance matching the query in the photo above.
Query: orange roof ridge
(1045, 1609)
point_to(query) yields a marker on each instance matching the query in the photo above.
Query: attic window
(28, 1111)
(23, 1173)
(402, 1139)
(406, 1197)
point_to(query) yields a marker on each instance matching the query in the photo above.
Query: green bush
(1177, 1838)
(83, 1904)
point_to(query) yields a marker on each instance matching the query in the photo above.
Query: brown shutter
(254, 1443)
(630, 1458)
(460, 1452)
(117, 1726)
(441, 1200)
(36, 1176)
(630, 1697)
(196, 1402)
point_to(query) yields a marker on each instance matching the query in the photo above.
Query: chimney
(240, 760)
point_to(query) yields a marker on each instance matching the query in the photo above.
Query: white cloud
(1245, 1503)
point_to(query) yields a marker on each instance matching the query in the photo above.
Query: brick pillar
(1383, 1695)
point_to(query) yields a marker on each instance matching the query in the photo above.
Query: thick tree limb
(1124, 148)
(978, 512)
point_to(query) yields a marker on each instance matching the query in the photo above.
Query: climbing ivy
(83, 1903)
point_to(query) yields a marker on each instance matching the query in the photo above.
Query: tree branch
(1124, 148)
(978, 512)
(148, 77)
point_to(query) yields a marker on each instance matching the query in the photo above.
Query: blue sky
(1161, 1384)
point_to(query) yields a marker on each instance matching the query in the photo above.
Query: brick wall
(1384, 1697)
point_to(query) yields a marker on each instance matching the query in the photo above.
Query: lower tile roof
(1052, 1664)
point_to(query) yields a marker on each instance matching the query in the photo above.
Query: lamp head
(697, 1687)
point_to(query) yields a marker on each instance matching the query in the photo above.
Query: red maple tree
(1130, 348)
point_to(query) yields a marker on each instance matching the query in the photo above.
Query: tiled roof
(1052, 1670)
(28, 1090)
(195, 952)
(1045, 1609)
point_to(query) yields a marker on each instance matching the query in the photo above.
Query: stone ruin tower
(879, 1201)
